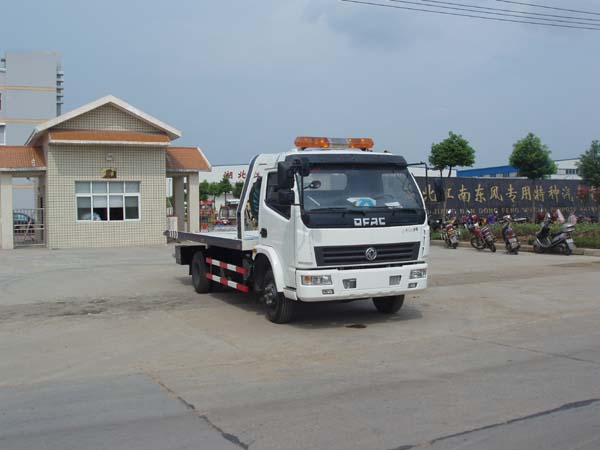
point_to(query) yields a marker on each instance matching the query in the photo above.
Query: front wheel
(279, 308)
(492, 247)
(538, 248)
(455, 245)
(567, 250)
(477, 243)
(389, 305)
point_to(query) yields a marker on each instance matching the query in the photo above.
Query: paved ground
(112, 349)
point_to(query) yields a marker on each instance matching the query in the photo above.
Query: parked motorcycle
(481, 236)
(450, 233)
(563, 240)
(511, 240)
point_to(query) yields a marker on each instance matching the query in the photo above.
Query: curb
(526, 248)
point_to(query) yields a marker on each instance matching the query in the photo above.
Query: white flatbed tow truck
(329, 220)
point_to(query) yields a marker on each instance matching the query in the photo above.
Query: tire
(202, 285)
(537, 248)
(492, 247)
(566, 250)
(389, 305)
(455, 245)
(278, 308)
(476, 243)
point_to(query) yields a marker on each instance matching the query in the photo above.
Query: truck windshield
(334, 187)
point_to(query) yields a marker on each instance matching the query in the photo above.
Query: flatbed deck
(225, 239)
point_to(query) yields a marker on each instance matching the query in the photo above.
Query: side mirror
(286, 170)
(285, 197)
(438, 187)
(285, 176)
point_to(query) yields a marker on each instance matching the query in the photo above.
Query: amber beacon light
(324, 142)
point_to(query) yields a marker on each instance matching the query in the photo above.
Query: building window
(107, 201)
(2, 134)
(571, 171)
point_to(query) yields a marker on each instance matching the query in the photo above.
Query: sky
(241, 77)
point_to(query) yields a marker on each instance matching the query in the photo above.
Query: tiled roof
(21, 157)
(107, 136)
(186, 158)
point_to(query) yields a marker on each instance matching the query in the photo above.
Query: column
(40, 208)
(6, 211)
(179, 202)
(193, 202)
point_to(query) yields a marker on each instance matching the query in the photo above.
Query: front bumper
(370, 282)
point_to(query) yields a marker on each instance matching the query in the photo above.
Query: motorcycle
(563, 240)
(450, 233)
(511, 240)
(481, 237)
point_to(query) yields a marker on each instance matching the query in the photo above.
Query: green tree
(226, 187)
(204, 190)
(589, 169)
(237, 189)
(454, 151)
(589, 165)
(214, 189)
(532, 160)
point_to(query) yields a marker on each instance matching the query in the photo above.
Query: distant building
(31, 92)
(566, 170)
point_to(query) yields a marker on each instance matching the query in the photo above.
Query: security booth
(102, 169)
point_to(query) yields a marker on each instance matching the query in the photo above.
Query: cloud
(372, 27)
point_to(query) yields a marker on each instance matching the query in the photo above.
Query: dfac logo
(369, 222)
(371, 254)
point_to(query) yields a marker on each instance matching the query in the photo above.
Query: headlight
(316, 280)
(418, 273)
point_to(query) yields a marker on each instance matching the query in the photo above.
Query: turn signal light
(324, 142)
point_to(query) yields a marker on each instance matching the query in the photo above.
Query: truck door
(276, 227)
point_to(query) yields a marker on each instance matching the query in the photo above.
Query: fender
(276, 266)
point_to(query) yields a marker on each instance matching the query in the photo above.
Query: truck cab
(331, 221)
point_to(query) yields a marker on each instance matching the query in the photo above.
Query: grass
(586, 235)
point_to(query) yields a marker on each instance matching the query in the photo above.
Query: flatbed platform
(225, 239)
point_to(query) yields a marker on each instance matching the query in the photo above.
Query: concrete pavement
(112, 349)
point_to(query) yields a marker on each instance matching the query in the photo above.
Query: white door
(276, 228)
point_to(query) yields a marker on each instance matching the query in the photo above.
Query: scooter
(563, 240)
(481, 237)
(511, 240)
(450, 233)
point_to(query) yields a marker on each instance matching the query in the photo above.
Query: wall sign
(109, 173)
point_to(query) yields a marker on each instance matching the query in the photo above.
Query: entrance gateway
(101, 172)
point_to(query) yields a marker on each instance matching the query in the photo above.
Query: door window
(272, 197)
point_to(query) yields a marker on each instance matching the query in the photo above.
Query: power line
(550, 7)
(490, 13)
(529, 13)
(469, 15)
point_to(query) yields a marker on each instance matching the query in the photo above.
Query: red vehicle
(481, 236)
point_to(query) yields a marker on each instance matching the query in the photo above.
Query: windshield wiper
(337, 209)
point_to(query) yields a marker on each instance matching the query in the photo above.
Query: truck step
(226, 282)
(225, 265)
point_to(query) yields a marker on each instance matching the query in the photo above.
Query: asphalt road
(112, 349)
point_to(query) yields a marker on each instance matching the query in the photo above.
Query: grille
(355, 254)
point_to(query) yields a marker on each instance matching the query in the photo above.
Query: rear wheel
(389, 305)
(202, 285)
(279, 309)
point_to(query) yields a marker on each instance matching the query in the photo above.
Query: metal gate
(28, 227)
